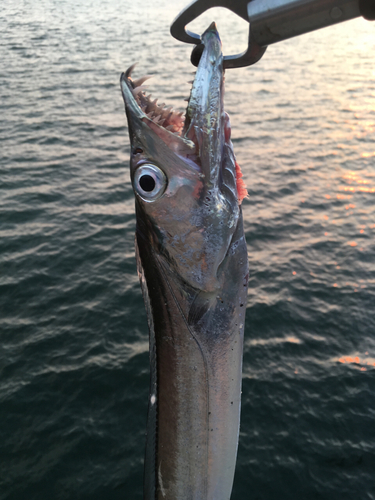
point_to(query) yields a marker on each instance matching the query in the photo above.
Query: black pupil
(147, 183)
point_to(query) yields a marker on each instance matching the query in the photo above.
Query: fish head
(184, 174)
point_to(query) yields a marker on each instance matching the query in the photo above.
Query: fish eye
(149, 182)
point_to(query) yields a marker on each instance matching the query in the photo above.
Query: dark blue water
(73, 332)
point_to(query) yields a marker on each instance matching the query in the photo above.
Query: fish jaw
(192, 224)
(205, 118)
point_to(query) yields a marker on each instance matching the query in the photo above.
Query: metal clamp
(178, 29)
(271, 21)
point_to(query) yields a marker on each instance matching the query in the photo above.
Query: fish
(193, 268)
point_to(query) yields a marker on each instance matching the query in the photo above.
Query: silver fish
(193, 267)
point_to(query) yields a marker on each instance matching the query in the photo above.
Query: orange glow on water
(356, 360)
(350, 359)
(293, 340)
(363, 182)
(352, 243)
(354, 177)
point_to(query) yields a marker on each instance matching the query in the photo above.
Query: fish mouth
(201, 136)
(203, 121)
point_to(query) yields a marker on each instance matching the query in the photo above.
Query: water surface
(73, 332)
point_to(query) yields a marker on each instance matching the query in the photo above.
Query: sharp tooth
(170, 127)
(150, 115)
(149, 97)
(128, 72)
(139, 82)
(143, 109)
(153, 106)
(167, 111)
(180, 113)
(137, 90)
(157, 119)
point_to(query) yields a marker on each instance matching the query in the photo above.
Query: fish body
(193, 267)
